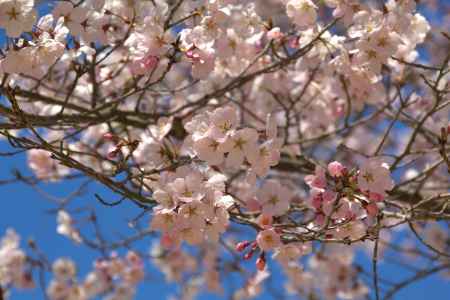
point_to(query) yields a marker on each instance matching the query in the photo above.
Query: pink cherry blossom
(17, 16)
(163, 220)
(302, 12)
(208, 149)
(64, 269)
(265, 156)
(374, 176)
(12, 261)
(318, 180)
(187, 189)
(202, 63)
(66, 226)
(73, 16)
(223, 123)
(274, 198)
(188, 232)
(239, 146)
(268, 239)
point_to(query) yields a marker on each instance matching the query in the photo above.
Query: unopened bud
(241, 246)
(249, 254)
(254, 245)
(261, 262)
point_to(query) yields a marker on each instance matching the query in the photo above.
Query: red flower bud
(249, 255)
(254, 245)
(261, 262)
(241, 246)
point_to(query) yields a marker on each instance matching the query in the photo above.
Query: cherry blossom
(268, 239)
(12, 262)
(374, 176)
(274, 198)
(318, 180)
(239, 146)
(336, 169)
(223, 121)
(73, 16)
(45, 167)
(303, 12)
(17, 16)
(265, 156)
(65, 227)
(240, 138)
(64, 269)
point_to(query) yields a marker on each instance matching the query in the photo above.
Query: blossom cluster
(13, 263)
(192, 206)
(214, 135)
(115, 276)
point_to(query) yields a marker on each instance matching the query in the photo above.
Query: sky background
(28, 211)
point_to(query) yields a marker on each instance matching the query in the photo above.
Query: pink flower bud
(249, 255)
(254, 245)
(241, 246)
(336, 169)
(261, 262)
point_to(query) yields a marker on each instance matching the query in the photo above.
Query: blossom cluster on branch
(294, 131)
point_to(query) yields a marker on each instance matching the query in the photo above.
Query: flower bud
(261, 262)
(249, 254)
(241, 246)
(336, 169)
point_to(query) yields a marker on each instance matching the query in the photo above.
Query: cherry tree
(254, 137)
